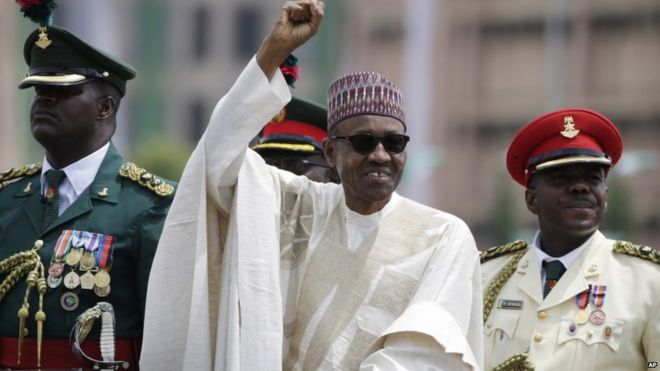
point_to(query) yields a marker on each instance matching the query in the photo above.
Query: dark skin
(311, 165)
(368, 180)
(71, 122)
(570, 202)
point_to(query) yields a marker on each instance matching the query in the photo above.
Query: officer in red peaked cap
(572, 293)
(559, 138)
(292, 141)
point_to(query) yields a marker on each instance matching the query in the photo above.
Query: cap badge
(280, 116)
(569, 131)
(43, 41)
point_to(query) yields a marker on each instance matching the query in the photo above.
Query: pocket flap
(504, 320)
(608, 333)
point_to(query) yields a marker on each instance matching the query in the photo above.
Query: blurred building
(495, 66)
(472, 71)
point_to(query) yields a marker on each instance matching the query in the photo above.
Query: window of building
(248, 30)
(200, 36)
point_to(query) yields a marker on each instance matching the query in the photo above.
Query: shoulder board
(18, 172)
(640, 251)
(496, 251)
(146, 179)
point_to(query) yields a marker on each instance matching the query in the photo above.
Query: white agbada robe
(222, 296)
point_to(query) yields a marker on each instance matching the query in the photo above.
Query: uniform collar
(567, 260)
(81, 173)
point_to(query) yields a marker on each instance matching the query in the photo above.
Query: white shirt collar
(80, 174)
(566, 260)
(359, 226)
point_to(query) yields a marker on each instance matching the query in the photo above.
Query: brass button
(538, 337)
(489, 325)
(542, 314)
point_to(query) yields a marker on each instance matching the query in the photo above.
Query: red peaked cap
(299, 127)
(563, 137)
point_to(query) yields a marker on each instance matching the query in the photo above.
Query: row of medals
(582, 316)
(98, 281)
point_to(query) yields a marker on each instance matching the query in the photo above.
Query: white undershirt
(79, 175)
(359, 226)
(567, 260)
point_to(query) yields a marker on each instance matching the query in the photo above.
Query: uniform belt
(56, 353)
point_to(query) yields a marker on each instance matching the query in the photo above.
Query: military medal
(607, 332)
(69, 301)
(55, 270)
(73, 257)
(71, 280)
(572, 329)
(53, 282)
(598, 316)
(102, 291)
(582, 299)
(87, 281)
(104, 259)
(56, 267)
(102, 278)
(87, 261)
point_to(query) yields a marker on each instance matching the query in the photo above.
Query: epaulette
(146, 179)
(640, 251)
(18, 172)
(496, 251)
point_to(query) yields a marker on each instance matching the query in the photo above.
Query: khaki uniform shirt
(628, 339)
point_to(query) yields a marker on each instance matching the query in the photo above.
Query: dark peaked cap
(58, 57)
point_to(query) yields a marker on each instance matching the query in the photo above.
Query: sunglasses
(365, 143)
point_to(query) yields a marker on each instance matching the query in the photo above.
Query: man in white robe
(259, 269)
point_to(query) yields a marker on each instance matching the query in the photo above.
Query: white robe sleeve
(442, 327)
(413, 351)
(192, 312)
(251, 102)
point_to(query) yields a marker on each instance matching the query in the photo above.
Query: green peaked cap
(56, 56)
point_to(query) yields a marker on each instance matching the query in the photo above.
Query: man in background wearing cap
(572, 299)
(292, 141)
(96, 219)
(343, 276)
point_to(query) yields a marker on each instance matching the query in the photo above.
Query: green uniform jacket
(131, 213)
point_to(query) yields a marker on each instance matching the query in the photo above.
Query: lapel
(586, 270)
(105, 187)
(32, 207)
(530, 277)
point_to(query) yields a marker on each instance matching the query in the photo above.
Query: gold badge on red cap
(569, 131)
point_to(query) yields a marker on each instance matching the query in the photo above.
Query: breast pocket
(503, 320)
(607, 334)
(499, 330)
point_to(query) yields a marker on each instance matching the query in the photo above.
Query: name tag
(509, 304)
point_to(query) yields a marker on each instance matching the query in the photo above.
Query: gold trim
(146, 179)
(22, 171)
(573, 160)
(640, 251)
(496, 251)
(287, 146)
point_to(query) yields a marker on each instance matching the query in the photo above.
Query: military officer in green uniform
(571, 299)
(82, 227)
